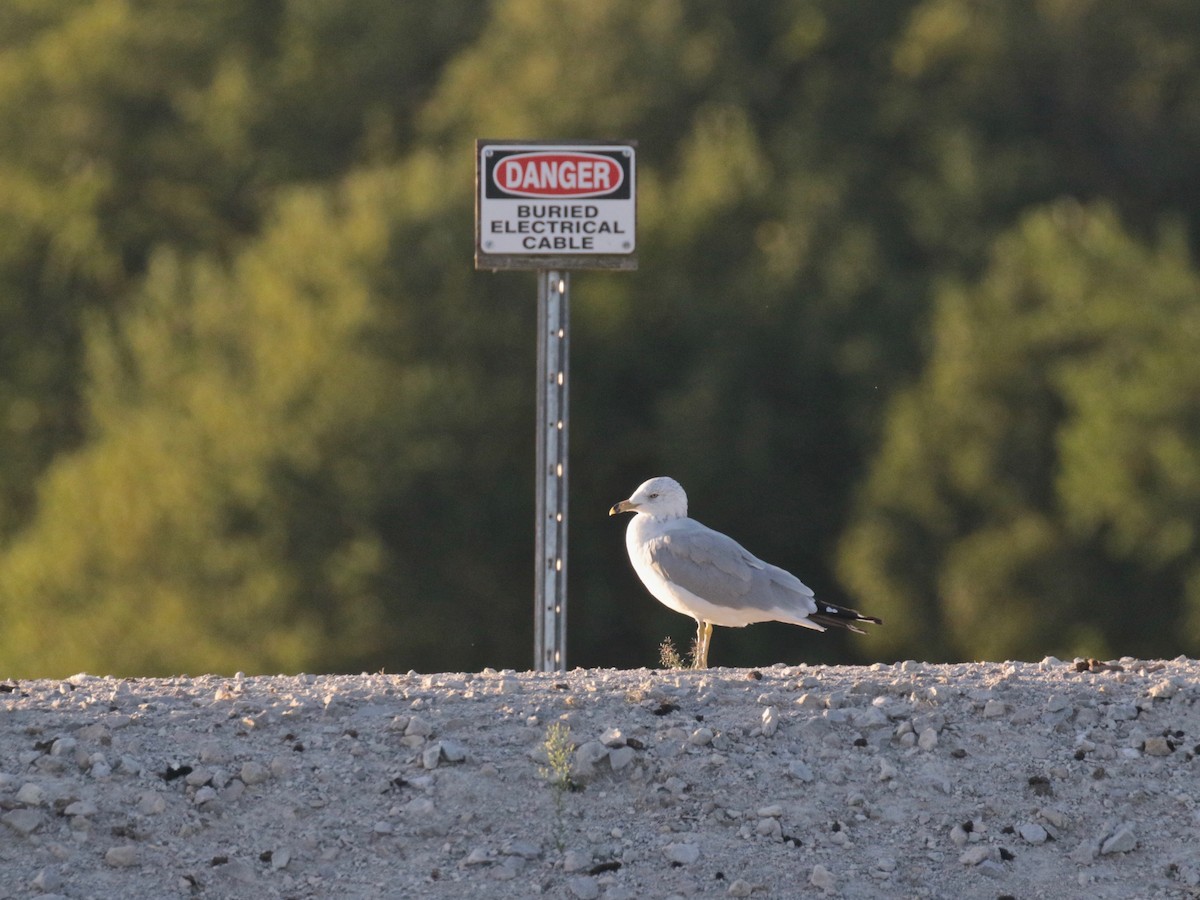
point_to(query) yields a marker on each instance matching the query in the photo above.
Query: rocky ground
(991, 780)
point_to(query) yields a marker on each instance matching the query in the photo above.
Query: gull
(709, 576)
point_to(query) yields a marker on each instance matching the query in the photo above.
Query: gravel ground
(991, 780)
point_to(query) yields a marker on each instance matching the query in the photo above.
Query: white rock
(1164, 689)
(1033, 833)
(740, 888)
(973, 856)
(1157, 746)
(453, 751)
(800, 771)
(64, 746)
(47, 880)
(523, 849)
(254, 773)
(81, 808)
(583, 888)
(22, 821)
(31, 794)
(821, 878)
(418, 727)
(588, 755)
(198, 777)
(575, 860)
(431, 756)
(994, 708)
(768, 828)
(701, 737)
(683, 854)
(620, 757)
(770, 721)
(1054, 816)
(774, 811)
(1122, 840)
(122, 856)
(870, 717)
(477, 857)
(1058, 702)
(151, 803)
(613, 737)
(928, 739)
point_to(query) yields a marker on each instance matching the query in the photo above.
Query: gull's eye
(654, 496)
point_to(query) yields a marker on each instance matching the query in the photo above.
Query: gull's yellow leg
(707, 641)
(699, 651)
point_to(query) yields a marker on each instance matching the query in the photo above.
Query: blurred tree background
(918, 318)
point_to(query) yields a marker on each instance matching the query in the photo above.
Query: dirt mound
(1051, 779)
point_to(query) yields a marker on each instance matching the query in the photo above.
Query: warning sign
(555, 205)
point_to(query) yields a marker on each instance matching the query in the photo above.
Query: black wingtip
(832, 616)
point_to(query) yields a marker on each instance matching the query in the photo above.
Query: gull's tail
(840, 617)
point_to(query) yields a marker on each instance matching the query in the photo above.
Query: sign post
(552, 207)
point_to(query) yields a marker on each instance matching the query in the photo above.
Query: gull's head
(658, 498)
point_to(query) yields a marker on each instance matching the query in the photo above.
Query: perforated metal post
(550, 591)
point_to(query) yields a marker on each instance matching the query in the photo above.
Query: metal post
(550, 581)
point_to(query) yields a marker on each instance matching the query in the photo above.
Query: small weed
(668, 656)
(558, 748)
(557, 772)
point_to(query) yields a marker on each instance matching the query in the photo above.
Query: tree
(1037, 488)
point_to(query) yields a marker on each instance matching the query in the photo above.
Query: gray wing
(716, 568)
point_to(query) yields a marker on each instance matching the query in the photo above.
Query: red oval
(558, 174)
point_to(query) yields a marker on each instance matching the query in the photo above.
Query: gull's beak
(623, 506)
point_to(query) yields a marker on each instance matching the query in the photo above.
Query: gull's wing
(716, 568)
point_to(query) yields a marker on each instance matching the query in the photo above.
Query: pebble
(800, 771)
(684, 854)
(574, 860)
(739, 887)
(151, 803)
(121, 857)
(770, 721)
(22, 821)
(928, 739)
(31, 794)
(477, 857)
(620, 757)
(453, 751)
(1033, 833)
(613, 737)
(588, 755)
(701, 737)
(821, 878)
(583, 887)
(47, 880)
(1122, 840)
(418, 727)
(1157, 746)
(973, 856)
(994, 708)
(81, 808)
(254, 773)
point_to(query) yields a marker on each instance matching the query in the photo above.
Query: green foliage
(1037, 488)
(257, 412)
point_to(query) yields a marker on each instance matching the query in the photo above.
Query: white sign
(555, 200)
